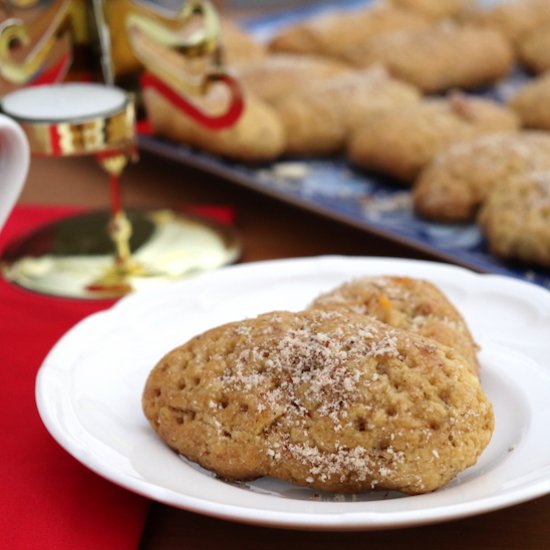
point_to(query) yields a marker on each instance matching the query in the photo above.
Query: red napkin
(48, 499)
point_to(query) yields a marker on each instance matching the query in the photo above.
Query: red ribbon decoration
(212, 122)
(55, 141)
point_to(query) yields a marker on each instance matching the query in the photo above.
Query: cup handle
(14, 165)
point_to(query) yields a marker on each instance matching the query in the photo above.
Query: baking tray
(333, 189)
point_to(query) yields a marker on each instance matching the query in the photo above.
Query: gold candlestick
(95, 119)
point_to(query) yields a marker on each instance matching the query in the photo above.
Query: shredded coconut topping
(310, 366)
(344, 462)
(305, 371)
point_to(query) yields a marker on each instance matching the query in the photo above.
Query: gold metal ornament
(141, 249)
(81, 137)
(170, 30)
(173, 246)
(78, 260)
(44, 40)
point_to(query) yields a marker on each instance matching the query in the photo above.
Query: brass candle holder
(108, 254)
(72, 257)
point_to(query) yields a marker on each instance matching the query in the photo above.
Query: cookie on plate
(454, 185)
(333, 33)
(534, 49)
(333, 401)
(516, 219)
(514, 18)
(279, 75)
(532, 103)
(434, 9)
(408, 304)
(258, 136)
(319, 118)
(439, 58)
(401, 142)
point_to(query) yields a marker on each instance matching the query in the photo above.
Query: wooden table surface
(269, 229)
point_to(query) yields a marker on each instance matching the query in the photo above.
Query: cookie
(454, 185)
(439, 58)
(434, 9)
(401, 142)
(239, 46)
(532, 103)
(319, 118)
(258, 135)
(332, 34)
(332, 401)
(407, 304)
(514, 18)
(534, 49)
(516, 218)
(279, 75)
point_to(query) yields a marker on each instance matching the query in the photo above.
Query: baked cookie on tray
(532, 103)
(514, 18)
(401, 142)
(332, 34)
(407, 304)
(319, 118)
(516, 218)
(238, 45)
(280, 75)
(534, 49)
(333, 401)
(258, 136)
(434, 9)
(454, 185)
(440, 57)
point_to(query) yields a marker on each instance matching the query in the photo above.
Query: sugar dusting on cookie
(328, 399)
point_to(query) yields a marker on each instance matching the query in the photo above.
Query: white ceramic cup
(14, 165)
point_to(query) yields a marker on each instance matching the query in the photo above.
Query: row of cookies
(320, 116)
(521, 22)
(503, 181)
(520, 201)
(325, 92)
(432, 55)
(360, 391)
(456, 173)
(308, 99)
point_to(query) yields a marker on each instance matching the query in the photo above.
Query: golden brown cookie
(439, 58)
(514, 18)
(434, 9)
(334, 33)
(532, 103)
(407, 304)
(333, 401)
(280, 75)
(454, 185)
(516, 218)
(401, 142)
(319, 118)
(258, 136)
(238, 45)
(534, 49)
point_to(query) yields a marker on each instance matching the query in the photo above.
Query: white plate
(89, 391)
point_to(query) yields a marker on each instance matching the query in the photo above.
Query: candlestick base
(74, 257)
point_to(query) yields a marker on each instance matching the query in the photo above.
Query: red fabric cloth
(48, 499)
